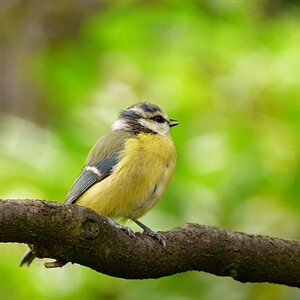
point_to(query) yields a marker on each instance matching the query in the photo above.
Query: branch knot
(91, 229)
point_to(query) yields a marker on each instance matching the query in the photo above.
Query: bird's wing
(100, 163)
(90, 175)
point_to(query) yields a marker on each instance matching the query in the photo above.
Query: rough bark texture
(79, 235)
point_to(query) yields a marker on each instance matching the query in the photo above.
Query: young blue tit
(128, 169)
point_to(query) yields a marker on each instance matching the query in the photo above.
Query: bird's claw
(127, 230)
(121, 227)
(156, 236)
(147, 231)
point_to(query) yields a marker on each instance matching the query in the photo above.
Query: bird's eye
(159, 119)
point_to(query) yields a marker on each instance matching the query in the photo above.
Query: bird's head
(144, 117)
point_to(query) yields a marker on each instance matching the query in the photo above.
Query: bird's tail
(27, 258)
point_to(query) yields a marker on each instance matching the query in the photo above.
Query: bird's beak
(173, 122)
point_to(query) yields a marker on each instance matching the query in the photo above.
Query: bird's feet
(121, 227)
(152, 233)
(156, 236)
(146, 231)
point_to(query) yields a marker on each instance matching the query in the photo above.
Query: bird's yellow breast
(137, 181)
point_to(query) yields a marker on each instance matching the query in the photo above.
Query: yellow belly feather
(137, 181)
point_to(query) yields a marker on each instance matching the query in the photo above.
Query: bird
(127, 170)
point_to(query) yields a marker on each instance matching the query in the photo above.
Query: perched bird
(128, 169)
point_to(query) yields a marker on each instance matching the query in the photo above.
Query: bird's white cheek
(166, 130)
(145, 124)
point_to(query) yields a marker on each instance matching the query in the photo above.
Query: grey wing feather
(87, 177)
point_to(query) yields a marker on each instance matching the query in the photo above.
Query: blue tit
(128, 169)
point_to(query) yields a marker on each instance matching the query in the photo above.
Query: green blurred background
(228, 70)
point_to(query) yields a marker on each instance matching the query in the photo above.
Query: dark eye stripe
(158, 119)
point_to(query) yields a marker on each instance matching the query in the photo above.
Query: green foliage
(228, 70)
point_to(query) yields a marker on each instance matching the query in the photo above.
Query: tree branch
(79, 235)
